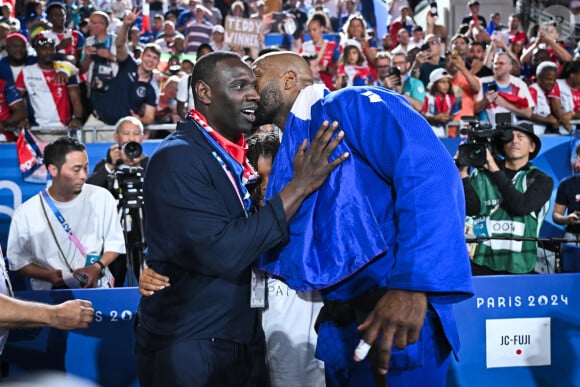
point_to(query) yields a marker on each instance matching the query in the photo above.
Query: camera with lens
(132, 149)
(482, 136)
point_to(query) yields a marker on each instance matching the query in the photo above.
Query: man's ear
(203, 92)
(53, 170)
(290, 79)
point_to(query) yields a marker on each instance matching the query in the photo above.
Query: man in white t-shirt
(68, 234)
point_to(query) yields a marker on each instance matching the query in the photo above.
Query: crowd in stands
(111, 58)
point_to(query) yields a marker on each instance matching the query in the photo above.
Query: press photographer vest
(505, 255)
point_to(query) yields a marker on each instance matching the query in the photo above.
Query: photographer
(507, 199)
(124, 159)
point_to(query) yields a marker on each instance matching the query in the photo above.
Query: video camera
(482, 136)
(127, 183)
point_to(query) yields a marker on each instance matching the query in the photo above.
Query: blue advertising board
(516, 331)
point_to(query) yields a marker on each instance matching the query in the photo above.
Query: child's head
(440, 82)
(352, 53)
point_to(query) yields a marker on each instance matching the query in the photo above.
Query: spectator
(497, 45)
(174, 9)
(387, 42)
(353, 70)
(16, 57)
(418, 38)
(350, 7)
(515, 29)
(134, 90)
(217, 39)
(494, 23)
(198, 30)
(166, 112)
(134, 43)
(432, 57)
(547, 38)
(404, 22)
(460, 46)
(403, 39)
(569, 91)
(99, 59)
(51, 103)
(6, 16)
(105, 174)
(440, 103)
(502, 93)
(186, 16)
(413, 89)
(325, 50)
(465, 85)
(510, 192)
(300, 17)
(438, 30)
(86, 9)
(215, 15)
(476, 60)
(12, 110)
(69, 42)
(567, 206)
(311, 60)
(474, 15)
(542, 92)
(84, 234)
(118, 8)
(157, 28)
(166, 39)
(356, 28)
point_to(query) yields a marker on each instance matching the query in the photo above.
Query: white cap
(352, 42)
(218, 28)
(438, 74)
(545, 65)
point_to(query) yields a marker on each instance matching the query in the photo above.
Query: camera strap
(66, 227)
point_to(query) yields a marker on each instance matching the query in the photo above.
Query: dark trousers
(203, 362)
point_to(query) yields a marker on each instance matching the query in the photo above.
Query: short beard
(270, 102)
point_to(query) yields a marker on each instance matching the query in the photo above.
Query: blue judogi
(392, 215)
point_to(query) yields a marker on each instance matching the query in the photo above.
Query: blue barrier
(507, 308)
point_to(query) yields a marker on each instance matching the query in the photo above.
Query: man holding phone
(503, 93)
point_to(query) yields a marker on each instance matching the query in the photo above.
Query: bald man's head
(284, 61)
(280, 77)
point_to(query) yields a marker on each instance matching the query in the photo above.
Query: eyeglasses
(434, 42)
(397, 64)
